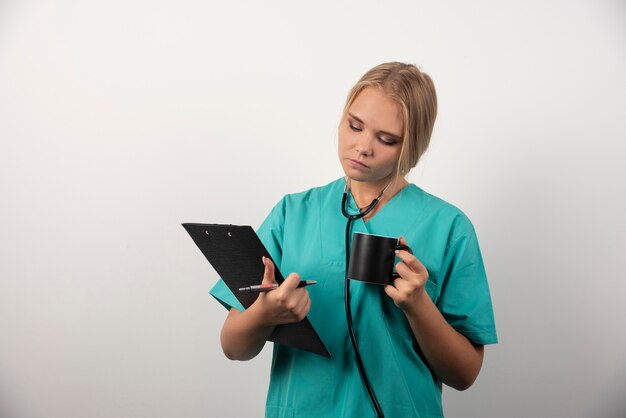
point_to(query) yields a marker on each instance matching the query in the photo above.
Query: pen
(267, 287)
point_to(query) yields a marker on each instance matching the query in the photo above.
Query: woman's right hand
(244, 333)
(286, 304)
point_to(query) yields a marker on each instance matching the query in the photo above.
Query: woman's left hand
(407, 289)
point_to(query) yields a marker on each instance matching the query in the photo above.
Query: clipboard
(235, 253)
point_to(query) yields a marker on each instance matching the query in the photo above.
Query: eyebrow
(393, 136)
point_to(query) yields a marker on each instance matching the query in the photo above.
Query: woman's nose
(364, 145)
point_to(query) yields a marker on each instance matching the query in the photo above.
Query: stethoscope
(351, 218)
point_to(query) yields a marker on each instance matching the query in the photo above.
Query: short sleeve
(271, 235)
(222, 293)
(465, 300)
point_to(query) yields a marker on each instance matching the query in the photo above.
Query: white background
(121, 119)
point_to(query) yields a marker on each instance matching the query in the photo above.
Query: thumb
(268, 274)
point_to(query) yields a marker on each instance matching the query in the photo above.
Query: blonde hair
(415, 92)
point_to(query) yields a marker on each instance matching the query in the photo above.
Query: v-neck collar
(383, 213)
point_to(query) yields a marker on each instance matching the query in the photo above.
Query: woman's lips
(357, 165)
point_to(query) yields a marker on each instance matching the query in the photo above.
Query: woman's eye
(354, 128)
(386, 141)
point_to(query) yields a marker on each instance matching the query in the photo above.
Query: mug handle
(404, 247)
(395, 275)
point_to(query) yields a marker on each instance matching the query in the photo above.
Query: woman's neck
(364, 192)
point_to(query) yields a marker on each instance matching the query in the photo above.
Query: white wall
(121, 119)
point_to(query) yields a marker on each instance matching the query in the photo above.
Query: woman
(426, 328)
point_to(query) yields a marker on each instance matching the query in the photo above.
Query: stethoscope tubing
(355, 346)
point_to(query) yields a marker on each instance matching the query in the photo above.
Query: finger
(303, 306)
(411, 261)
(268, 273)
(303, 297)
(291, 282)
(391, 291)
(301, 303)
(404, 271)
(306, 309)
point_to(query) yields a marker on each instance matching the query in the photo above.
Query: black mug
(373, 257)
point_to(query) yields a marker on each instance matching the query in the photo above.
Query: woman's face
(370, 137)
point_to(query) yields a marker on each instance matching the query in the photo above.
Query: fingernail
(397, 251)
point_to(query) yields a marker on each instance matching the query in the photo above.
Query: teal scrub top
(304, 233)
